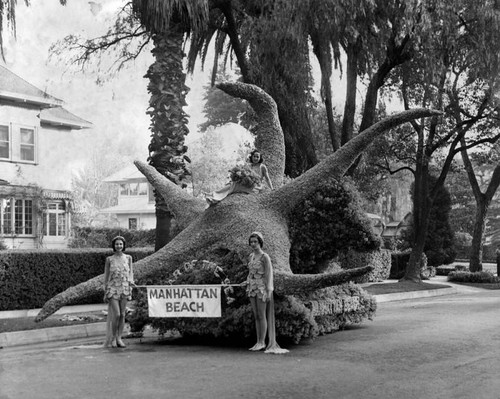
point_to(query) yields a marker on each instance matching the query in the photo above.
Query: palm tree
(169, 22)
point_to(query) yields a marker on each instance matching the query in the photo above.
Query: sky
(117, 107)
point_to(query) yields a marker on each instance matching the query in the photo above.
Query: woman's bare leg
(259, 311)
(121, 322)
(109, 328)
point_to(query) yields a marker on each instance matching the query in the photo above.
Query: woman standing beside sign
(118, 284)
(260, 292)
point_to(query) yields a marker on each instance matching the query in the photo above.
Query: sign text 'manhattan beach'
(184, 301)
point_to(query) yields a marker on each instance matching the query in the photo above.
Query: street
(441, 347)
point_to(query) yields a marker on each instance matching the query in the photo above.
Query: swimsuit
(256, 286)
(119, 278)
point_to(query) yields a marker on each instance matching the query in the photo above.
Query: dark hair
(115, 240)
(259, 239)
(251, 155)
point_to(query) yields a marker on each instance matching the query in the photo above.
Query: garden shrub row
(100, 237)
(28, 278)
(473, 277)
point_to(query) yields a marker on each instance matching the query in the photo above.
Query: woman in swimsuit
(260, 292)
(253, 175)
(118, 284)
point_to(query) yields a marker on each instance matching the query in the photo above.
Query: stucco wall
(144, 221)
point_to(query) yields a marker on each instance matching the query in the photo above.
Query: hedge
(28, 278)
(100, 237)
(329, 221)
(380, 260)
(473, 277)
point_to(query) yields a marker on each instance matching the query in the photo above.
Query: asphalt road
(441, 347)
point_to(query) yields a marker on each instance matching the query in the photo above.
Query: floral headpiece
(258, 234)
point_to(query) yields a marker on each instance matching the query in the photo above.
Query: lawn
(403, 286)
(28, 323)
(486, 286)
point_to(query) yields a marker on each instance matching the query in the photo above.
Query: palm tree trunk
(168, 120)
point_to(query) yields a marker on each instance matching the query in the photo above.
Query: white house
(136, 203)
(39, 141)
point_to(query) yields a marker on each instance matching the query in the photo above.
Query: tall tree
(450, 72)
(169, 22)
(483, 201)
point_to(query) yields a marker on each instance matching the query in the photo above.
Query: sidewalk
(98, 330)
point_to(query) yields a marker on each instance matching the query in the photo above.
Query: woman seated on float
(244, 179)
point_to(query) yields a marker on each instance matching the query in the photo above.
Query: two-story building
(136, 203)
(39, 143)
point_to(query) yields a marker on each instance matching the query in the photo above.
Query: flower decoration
(244, 176)
(205, 265)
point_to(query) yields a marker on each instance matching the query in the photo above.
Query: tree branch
(336, 165)
(269, 136)
(184, 206)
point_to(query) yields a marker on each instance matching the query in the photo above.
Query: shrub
(3, 246)
(100, 237)
(380, 260)
(328, 221)
(473, 277)
(444, 270)
(28, 278)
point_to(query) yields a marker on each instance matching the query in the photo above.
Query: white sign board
(184, 301)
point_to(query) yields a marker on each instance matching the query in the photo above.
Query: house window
(124, 189)
(16, 216)
(18, 144)
(142, 189)
(55, 219)
(132, 223)
(4, 142)
(133, 189)
(27, 144)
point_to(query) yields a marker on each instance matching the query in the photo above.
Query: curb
(400, 296)
(78, 331)
(12, 314)
(81, 331)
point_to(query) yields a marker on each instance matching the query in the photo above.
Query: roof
(15, 88)
(132, 206)
(373, 215)
(59, 116)
(130, 173)
(30, 190)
